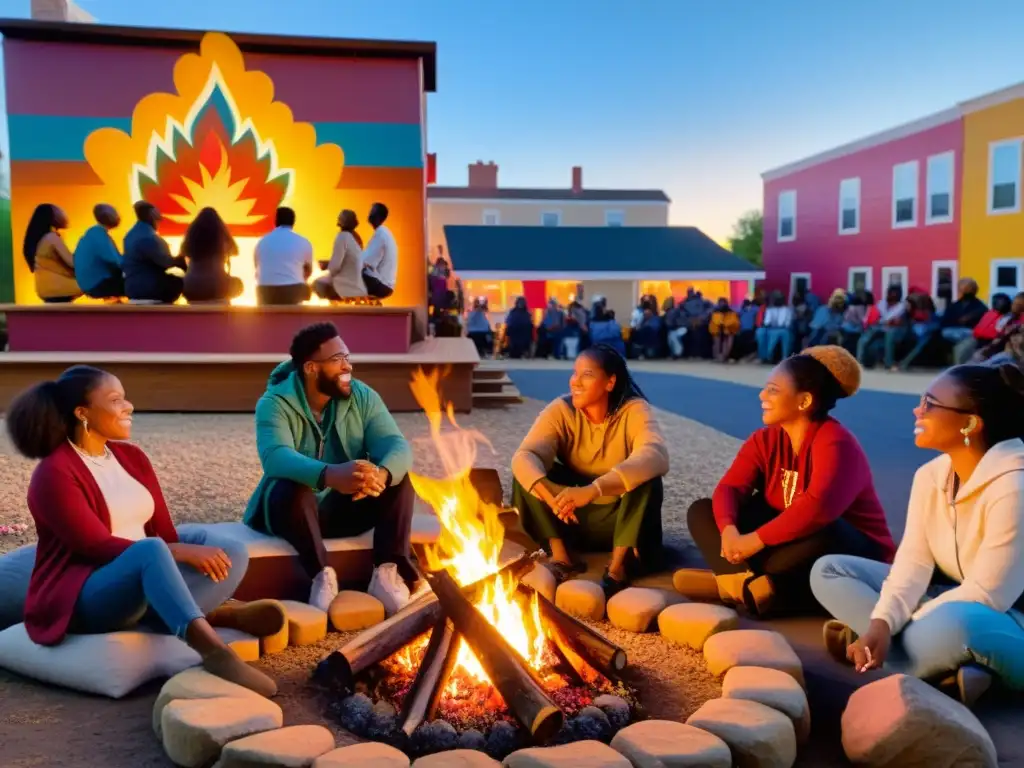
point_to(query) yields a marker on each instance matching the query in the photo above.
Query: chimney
(432, 168)
(483, 175)
(577, 179)
(59, 10)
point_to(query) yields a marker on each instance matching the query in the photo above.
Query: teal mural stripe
(368, 145)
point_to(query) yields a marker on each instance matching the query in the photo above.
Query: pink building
(880, 211)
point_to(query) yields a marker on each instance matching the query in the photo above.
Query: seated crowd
(794, 526)
(897, 332)
(145, 271)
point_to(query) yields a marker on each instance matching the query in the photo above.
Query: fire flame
(472, 536)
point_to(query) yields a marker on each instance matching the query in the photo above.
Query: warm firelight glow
(472, 536)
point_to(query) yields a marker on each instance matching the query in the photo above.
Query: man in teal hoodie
(335, 464)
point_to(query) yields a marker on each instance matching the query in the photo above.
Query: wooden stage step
(493, 388)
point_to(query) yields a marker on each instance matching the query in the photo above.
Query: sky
(696, 97)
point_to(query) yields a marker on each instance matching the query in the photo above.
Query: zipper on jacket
(320, 450)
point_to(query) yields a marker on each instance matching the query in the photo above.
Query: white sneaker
(388, 587)
(324, 590)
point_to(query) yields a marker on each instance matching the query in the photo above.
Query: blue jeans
(938, 643)
(769, 338)
(145, 584)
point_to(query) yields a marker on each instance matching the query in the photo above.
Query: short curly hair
(827, 373)
(841, 364)
(309, 340)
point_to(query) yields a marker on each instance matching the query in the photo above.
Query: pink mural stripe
(51, 81)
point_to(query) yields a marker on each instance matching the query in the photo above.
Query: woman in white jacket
(947, 607)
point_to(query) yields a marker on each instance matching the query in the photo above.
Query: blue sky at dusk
(696, 97)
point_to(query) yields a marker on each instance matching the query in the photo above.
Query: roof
(522, 193)
(912, 128)
(146, 37)
(568, 253)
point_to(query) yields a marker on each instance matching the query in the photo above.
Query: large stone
(246, 646)
(195, 730)
(693, 623)
(667, 744)
(902, 721)
(592, 754)
(351, 610)
(774, 689)
(195, 683)
(634, 608)
(306, 623)
(582, 598)
(542, 580)
(294, 747)
(758, 736)
(457, 758)
(752, 648)
(363, 755)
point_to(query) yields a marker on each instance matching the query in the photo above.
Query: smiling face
(781, 402)
(589, 384)
(331, 369)
(108, 412)
(941, 415)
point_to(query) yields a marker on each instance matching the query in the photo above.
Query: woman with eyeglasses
(948, 609)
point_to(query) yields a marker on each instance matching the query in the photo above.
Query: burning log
(576, 640)
(435, 668)
(391, 635)
(513, 679)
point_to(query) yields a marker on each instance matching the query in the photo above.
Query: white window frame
(793, 277)
(953, 266)
(491, 212)
(929, 218)
(778, 229)
(855, 181)
(556, 214)
(917, 193)
(903, 272)
(992, 147)
(994, 270)
(868, 282)
(620, 215)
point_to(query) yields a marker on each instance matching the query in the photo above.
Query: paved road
(881, 421)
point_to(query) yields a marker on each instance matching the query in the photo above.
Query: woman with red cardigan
(798, 489)
(108, 555)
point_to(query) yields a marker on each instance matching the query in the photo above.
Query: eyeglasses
(341, 357)
(928, 403)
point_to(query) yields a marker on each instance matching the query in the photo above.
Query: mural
(223, 138)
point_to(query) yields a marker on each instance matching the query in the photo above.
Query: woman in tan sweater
(48, 257)
(589, 471)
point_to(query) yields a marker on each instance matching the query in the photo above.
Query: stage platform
(216, 359)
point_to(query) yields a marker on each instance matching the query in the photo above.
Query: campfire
(479, 650)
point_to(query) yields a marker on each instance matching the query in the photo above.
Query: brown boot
(838, 637)
(759, 595)
(696, 584)
(260, 618)
(226, 664)
(730, 587)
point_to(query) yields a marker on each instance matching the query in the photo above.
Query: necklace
(789, 482)
(98, 461)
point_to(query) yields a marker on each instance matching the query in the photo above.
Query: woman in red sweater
(108, 555)
(798, 489)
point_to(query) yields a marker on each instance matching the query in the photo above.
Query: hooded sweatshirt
(293, 446)
(976, 538)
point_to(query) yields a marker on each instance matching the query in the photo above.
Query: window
(787, 216)
(551, 219)
(492, 218)
(614, 218)
(944, 279)
(896, 276)
(904, 195)
(1004, 176)
(799, 282)
(939, 185)
(1007, 277)
(849, 206)
(859, 279)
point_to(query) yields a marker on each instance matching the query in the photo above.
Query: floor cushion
(111, 664)
(15, 571)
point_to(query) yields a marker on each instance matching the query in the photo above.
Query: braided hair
(996, 395)
(614, 364)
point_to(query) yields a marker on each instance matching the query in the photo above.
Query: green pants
(633, 520)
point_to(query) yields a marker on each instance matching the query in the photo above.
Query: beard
(331, 387)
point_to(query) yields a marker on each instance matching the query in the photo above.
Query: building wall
(529, 214)
(988, 239)
(81, 117)
(818, 247)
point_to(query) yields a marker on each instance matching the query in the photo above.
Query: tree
(746, 238)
